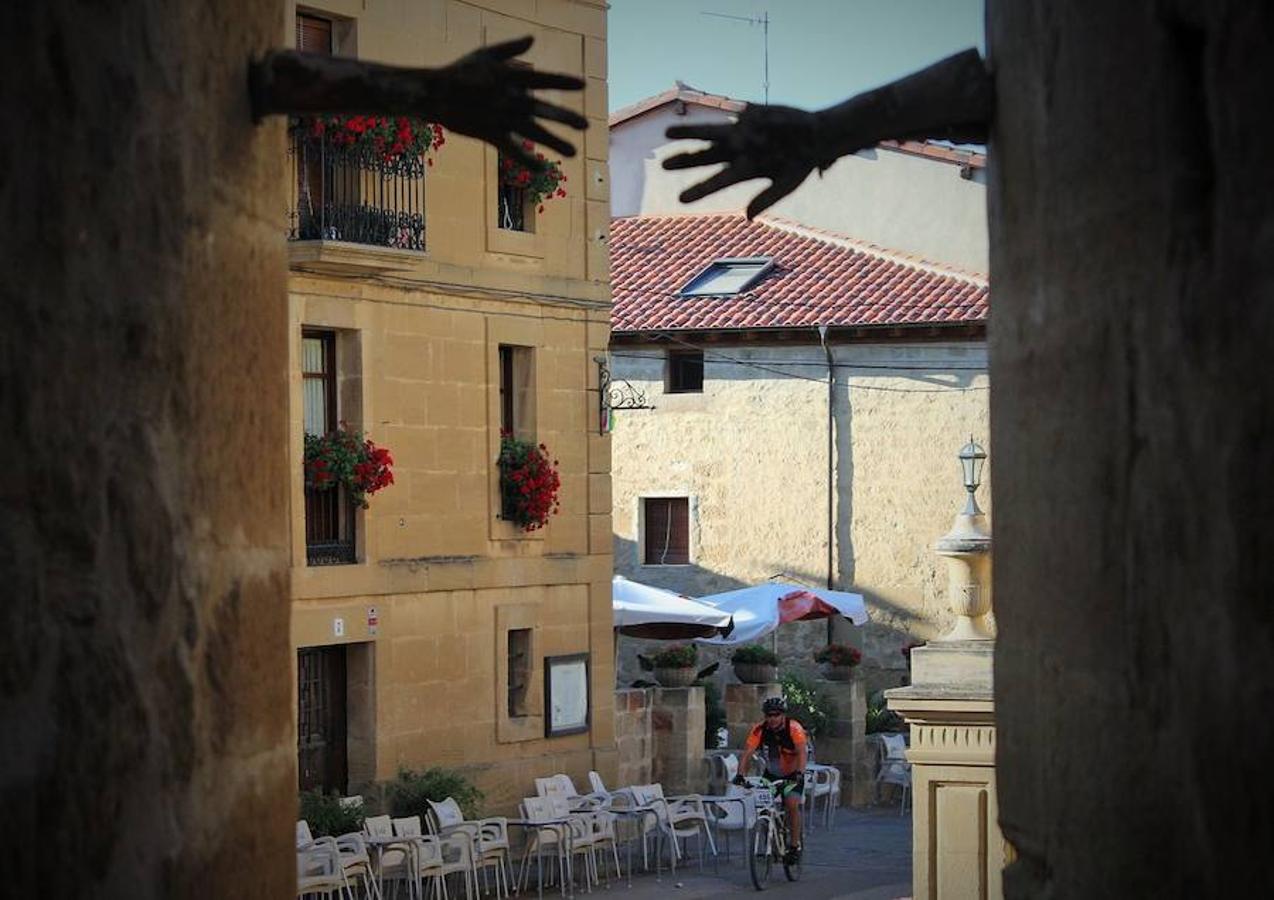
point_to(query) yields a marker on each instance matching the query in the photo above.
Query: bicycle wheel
(759, 859)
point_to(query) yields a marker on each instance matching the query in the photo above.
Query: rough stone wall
(751, 452)
(634, 743)
(144, 628)
(676, 725)
(1132, 228)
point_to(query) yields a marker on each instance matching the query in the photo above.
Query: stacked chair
(488, 840)
(438, 856)
(353, 862)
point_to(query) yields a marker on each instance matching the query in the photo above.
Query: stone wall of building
(881, 195)
(634, 740)
(145, 733)
(441, 580)
(751, 454)
(1132, 228)
(676, 723)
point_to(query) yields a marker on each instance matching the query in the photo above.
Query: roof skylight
(727, 277)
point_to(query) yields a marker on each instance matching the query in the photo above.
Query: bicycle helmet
(774, 704)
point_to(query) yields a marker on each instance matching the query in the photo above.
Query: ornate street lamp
(972, 459)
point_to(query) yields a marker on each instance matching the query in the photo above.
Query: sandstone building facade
(430, 307)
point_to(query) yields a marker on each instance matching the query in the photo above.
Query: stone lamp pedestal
(967, 551)
(957, 847)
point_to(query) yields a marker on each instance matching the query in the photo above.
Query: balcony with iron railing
(329, 528)
(355, 195)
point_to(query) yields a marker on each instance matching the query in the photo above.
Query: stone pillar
(634, 743)
(845, 745)
(957, 848)
(743, 708)
(676, 723)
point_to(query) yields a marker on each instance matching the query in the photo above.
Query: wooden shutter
(667, 531)
(314, 35)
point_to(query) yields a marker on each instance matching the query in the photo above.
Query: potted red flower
(541, 184)
(349, 459)
(389, 138)
(838, 661)
(529, 482)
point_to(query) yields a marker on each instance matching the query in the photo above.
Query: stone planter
(756, 673)
(839, 673)
(676, 678)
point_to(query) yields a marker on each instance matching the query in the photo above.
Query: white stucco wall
(900, 201)
(751, 453)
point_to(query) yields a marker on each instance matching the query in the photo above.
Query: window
(517, 390)
(727, 277)
(329, 516)
(519, 671)
(313, 35)
(667, 531)
(517, 396)
(685, 372)
(513, 205)
(318, 380)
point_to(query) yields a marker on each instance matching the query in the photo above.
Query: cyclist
(785, 754)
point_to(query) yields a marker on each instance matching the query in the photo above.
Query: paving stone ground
(865, 856)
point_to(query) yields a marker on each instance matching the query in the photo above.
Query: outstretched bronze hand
(481, 94)
(775, 142)
(950, 100)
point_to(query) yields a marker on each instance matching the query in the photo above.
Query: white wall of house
(900, 201)
(751, 453)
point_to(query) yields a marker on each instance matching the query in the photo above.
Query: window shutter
(667, 531)
(314, 35)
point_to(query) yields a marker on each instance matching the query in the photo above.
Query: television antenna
(764, 21)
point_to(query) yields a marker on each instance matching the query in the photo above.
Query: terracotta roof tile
(818, 278)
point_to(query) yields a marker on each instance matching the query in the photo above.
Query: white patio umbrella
(649, 612)
(760, 609)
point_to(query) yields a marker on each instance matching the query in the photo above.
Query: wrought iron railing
(354, 194)
(329, 528)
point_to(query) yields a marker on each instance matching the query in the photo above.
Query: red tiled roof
(818, 278)
(681, 91)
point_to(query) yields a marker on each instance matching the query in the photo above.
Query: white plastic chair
(436, 857)
(894, 768)
(683, 816)
(561, 786)
(318, 871)
(735, 814)
(489, 839)
(818, 784)
(395, 859)
(355, 862)
(545, 832)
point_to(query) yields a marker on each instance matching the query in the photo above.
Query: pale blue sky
(821, 51)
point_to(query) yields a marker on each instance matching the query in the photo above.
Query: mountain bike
(769, 835)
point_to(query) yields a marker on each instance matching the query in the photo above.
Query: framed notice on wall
(566, 694)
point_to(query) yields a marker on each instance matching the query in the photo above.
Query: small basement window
(685, 372)
(727, 277)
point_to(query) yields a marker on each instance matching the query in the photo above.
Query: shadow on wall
(795, 642)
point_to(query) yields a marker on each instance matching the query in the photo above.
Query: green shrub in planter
(677, 656)
(806, 704)
(326, 816)
(407, 794)
(754, 655)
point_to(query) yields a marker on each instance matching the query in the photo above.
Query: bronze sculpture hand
(950, 100)
(480, 94)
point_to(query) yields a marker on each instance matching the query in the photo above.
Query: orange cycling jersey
(781, 745)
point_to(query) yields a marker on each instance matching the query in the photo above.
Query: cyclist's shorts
(788, 785)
